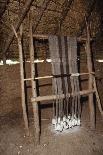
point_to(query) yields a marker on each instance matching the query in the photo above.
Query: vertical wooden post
(22, 86)
(98, 98)
(4, 59)
(34, 92)
(19, 37)
(90, 67)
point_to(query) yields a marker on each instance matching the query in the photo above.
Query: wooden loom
(35, 99)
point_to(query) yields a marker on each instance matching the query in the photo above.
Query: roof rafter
(41, 12)
(24, 12)
(22, 16)
(3, 5)
(66, 7)
(87, 16)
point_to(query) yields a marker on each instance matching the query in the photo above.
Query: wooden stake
(34, 93)
(22, 81)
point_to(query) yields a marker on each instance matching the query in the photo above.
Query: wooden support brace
(45, 37)
(53, 97)
(22, 80)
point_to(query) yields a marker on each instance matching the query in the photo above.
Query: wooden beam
(66, 7)
(33, 84)
(98, 98)
(53, 97)
(51, 76)
(90, 83)
(41, 12)
(45, 37)
(3, 7)
(19, 38)
(87, 16)
(53, 10)
(22, 16)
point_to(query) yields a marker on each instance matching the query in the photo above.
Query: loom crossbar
(53, 97)
(50, 76)
(45, 37)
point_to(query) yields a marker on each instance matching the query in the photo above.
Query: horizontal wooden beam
(45, 37)
(51, 76)
(54, 97)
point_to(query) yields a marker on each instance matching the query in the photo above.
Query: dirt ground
(77, 141)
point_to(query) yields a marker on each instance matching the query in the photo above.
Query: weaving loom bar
(50, 76)
(45, 37)
(19, 40)
(53, 97)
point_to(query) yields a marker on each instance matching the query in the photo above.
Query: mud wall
(10, 88)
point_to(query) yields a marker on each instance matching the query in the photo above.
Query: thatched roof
(66, 17)
(3, 4)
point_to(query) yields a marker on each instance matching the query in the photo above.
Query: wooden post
(34, 92)
(19, 37)
(4, 59)
(98, 98)
(90, 67)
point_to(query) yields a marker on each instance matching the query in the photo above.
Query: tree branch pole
(61, 96)
(41, 12)
(66, 7)
(17, 26)
(19, 37)
(87, 16)
(90, 86)
(33, 84)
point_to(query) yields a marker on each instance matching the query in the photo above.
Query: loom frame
(35, 99)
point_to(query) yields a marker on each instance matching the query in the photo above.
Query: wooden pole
(41, 12)
(89, 66)
(45, 37)
(53, 97)
(23, 13)
(4, 59)
(22, 81)
(34, 92)
(51, 76)
(97, 97)
(66, 8)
